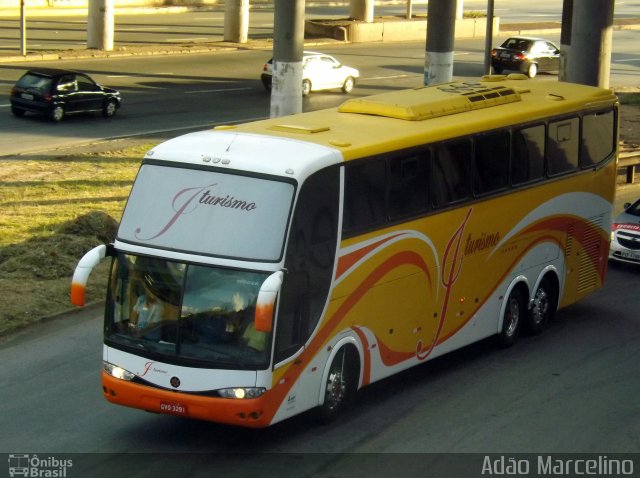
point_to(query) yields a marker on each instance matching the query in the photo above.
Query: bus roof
(399, 119)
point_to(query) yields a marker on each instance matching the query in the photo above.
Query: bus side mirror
(263, 321)
(82, 272)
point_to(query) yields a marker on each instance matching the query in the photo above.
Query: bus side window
(527, 160)
(409, 185)
(598, 138)
(491, 163)
(364, 203)
(309, 260)
(562, 146)
(451, 173)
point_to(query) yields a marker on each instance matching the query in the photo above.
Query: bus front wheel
(514, 314)
(341, 384)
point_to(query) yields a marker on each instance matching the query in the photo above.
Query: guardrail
(629, 158)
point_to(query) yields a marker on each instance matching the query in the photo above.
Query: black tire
(341, 385)
(498, 70)
(543, 308)
(306, 87)
(110, 107)
(349, 83)
(17, 112)
(57, 113)
(514, 315)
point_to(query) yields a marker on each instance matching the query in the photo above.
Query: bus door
(309, 264)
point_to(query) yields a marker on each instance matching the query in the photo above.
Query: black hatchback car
(57, 93)
(527, 55)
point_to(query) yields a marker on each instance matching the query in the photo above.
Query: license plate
(504, 54)
(630, 255)
(173, 408)
(27, 96)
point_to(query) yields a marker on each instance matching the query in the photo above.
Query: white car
(319, 72)
(625, 235)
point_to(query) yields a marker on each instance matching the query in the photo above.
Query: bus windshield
(185, 314)
(207, 212)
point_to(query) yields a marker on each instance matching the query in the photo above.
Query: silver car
(625, 235)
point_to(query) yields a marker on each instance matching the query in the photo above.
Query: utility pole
(591, 34)
(441, 25)
(565, 38)
(288, 46)
(236, 21)
(23, 30)
(100, 25)
(488, 39)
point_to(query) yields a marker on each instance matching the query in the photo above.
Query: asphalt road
(197, 91)
(572, 389)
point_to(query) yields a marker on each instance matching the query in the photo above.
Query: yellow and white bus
(274, 267)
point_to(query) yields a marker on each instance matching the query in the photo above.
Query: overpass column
(288, 45)
(441, 25)
(100, 25)
(591, 33)
(236, 21)
(361, 10)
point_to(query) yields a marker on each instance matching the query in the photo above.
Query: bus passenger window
(491, 163)
(364, 204)
(451, 173)
(409, 185)
(527, 160)
(562, 151)
(598, 138)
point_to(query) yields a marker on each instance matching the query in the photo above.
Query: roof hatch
(432, 101)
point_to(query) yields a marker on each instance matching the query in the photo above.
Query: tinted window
(527, 162)
(562, 148)
(598, 138)
(364, 195)
(37, 82)
(451, 173)
(85, 84)
(409, 184)
(491, 163)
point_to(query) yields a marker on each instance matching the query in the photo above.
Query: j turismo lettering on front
(185, 202)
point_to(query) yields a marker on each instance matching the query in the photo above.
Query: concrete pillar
(288, 46)
(591, 34)
(565, 38)
(236, 21)
(100, 24)
(459, 9)
(361, 10)
(441, 25)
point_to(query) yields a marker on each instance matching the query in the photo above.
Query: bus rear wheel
(514, 315)
(543, 307)
(341, 384)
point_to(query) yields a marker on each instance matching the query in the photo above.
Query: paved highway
(196, 91)
(572, 389)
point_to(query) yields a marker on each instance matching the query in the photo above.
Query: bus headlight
(117, 372)
(241, 392)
